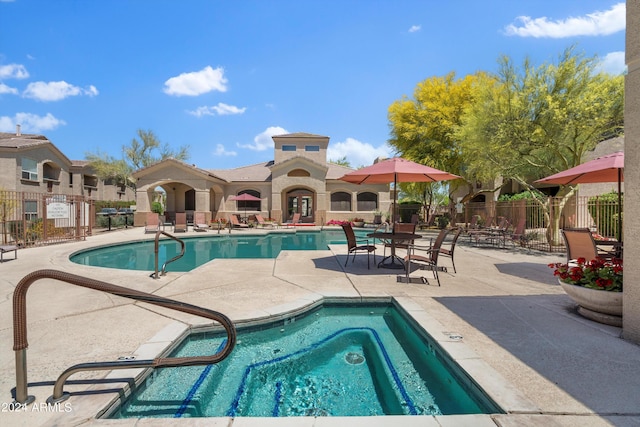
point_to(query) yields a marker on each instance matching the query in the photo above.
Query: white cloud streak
(4, 89)
(30, 123)
(613, 63)
(415, 28)
(55, 91)
(13, 71)
(221, 151)
(263, 140)
(197, 82)
(357, 153)
(217, 110)
(599, 23)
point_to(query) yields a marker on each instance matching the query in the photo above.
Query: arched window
(298, 172)
(249, 205)
(340, 201)
(367, 201)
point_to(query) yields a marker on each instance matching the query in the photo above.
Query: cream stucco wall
(631, 297)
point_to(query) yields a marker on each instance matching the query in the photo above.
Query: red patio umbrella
(396, 170)
(608, 168)
(245, 197)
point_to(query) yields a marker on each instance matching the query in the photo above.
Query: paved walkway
(522, 340)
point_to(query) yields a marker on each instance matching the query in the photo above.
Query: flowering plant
(599, 274)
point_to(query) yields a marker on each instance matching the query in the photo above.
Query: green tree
(538, 121)
(342, 162)
(423, 128)
(141, 153)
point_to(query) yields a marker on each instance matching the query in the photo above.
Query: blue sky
(223, 76)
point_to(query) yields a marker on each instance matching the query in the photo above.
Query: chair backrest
(351, 236)
(198, 218)
(259, 219)
(234, 220)
(474, 221)
(518, 232)
(296, 218)
(455, 239)
(580, 244)
(435, 249)
(152, 219)
(181, 218)
(405, 227)
(488, 222)
(415, 218)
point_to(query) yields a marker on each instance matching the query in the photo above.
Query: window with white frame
(29, 169)
(30, 210)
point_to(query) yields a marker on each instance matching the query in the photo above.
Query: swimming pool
(333, 360)
(200, 250)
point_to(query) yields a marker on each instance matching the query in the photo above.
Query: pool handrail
(20, 343)
(156, 250)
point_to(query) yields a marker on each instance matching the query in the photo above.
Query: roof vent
(18, 130)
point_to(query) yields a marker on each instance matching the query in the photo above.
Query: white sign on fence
(57, 210)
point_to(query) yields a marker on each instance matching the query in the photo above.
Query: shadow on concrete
(586, 359)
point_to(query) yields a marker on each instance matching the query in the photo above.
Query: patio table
(393, 238)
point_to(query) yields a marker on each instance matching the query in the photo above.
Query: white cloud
(357, 153)
(13, 71)
(197, 82)
(30, 123)
(221, 151)
(414, 28)
(55, 91)
(593, 24)
(7, 89)
(263, 140)
(221, 110)
(613, 63)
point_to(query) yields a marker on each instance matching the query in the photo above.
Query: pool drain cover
(353, 358)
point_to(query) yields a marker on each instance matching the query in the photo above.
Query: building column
(631, 296)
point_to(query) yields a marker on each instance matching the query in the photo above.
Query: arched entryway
(302, 201)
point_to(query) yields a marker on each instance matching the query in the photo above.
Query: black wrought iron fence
(34, 219)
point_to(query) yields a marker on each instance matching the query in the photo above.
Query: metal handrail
(156, 250)
(20, 343)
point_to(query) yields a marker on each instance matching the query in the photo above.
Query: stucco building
(298, 180)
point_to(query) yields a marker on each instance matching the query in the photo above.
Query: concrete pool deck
(521, 338)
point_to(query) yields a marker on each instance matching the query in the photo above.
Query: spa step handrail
(156, 250)
(20, 343)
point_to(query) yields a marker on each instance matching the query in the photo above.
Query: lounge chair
(235, 222)
(295, 219)
(425, 258)
(152, 224)
(199, 222)
(355, 245)
(580, 244)
(448, 252)
(518, 233)
(262, 223)
(181, 222)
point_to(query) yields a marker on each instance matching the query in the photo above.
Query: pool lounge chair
(264, 224)
(152, 224)
(235, 222)
(181, 222)
(199, 222)
(295, 219)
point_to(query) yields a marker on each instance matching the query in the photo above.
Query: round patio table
(393, 239)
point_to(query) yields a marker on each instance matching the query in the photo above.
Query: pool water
(337, 360)
(200, 250)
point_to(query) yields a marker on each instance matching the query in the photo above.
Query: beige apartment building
(298, 180)
(32, 164)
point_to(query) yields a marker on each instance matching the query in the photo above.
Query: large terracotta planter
(600, 306)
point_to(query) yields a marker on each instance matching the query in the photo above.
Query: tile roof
(11, 140)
